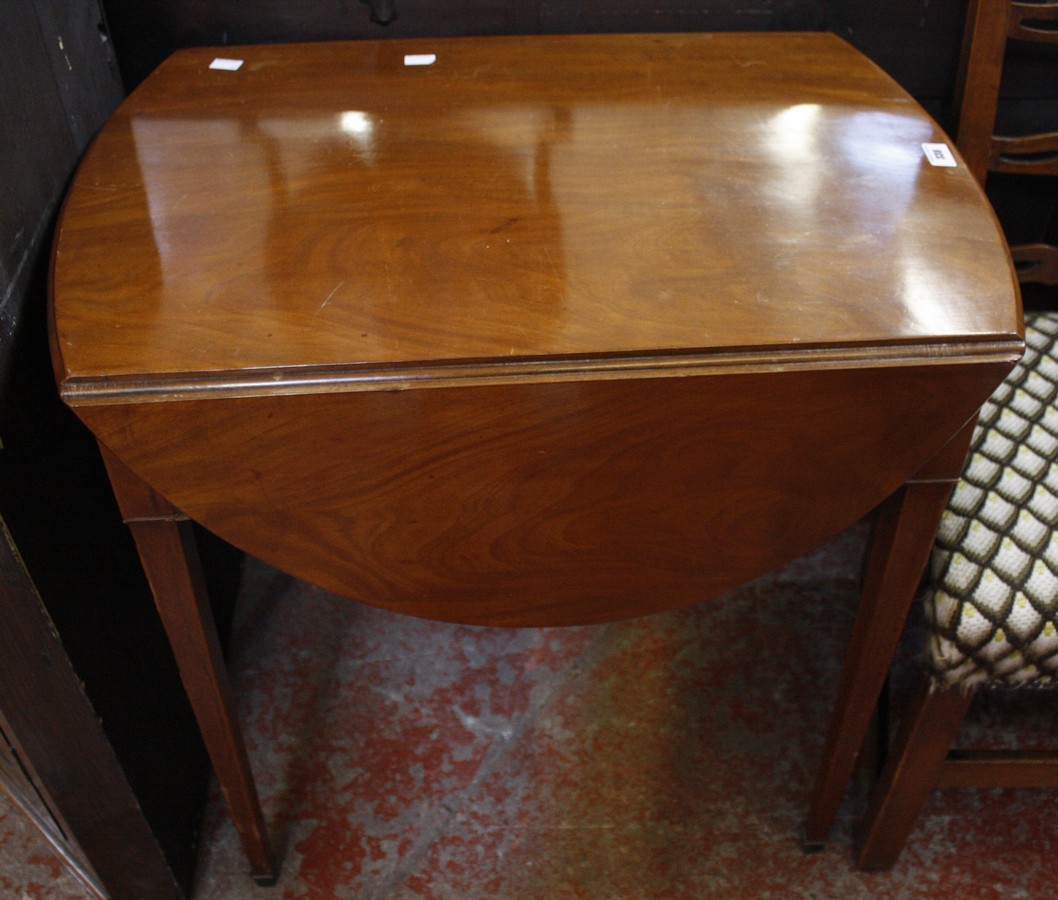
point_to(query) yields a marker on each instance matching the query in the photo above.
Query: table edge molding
(112, 390)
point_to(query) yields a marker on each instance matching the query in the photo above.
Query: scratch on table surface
(551, 260)
(329, 297)
(389, 286)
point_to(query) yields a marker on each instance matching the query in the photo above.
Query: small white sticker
(228, 65)
(939, 155)
(420, 59)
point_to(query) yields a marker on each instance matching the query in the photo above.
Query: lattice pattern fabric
(992, 608)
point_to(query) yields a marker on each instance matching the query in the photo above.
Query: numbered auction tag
(939, 155)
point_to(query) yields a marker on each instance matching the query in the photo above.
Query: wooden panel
(52, 100)
(55, 731)
(38, 155)
(59, 84)
(1000, 768)
(83, 63)
(18, 783)
(514, 504)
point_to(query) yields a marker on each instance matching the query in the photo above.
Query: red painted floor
(667, 757)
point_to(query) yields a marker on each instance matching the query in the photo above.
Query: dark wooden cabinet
(97, 743)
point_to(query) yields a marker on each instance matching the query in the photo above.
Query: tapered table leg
(899, 550)
(167, 551)
(919, 751)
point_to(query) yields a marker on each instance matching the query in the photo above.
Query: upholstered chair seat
(991, 607)
(992, 610)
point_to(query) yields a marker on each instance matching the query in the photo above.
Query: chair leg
(170, 560)
(927, 730)
(900, 546)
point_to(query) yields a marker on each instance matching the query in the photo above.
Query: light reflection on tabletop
(517, 221)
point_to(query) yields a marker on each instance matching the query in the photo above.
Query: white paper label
(228, 65)
(939, 155)
(420, 59)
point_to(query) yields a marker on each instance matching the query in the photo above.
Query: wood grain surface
(556, 503)
(520, 199)
(551, 330)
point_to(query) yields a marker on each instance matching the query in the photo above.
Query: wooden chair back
(990, 26)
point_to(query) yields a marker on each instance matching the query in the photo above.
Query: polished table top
(433, 322)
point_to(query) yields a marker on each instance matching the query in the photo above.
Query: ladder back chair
(990, 25)
(991, 608)
(991, 605)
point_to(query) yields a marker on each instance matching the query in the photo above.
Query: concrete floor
(667, 757)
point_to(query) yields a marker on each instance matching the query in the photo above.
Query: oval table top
(358, 215)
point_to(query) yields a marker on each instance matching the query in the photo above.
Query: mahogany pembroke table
(528, 331)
